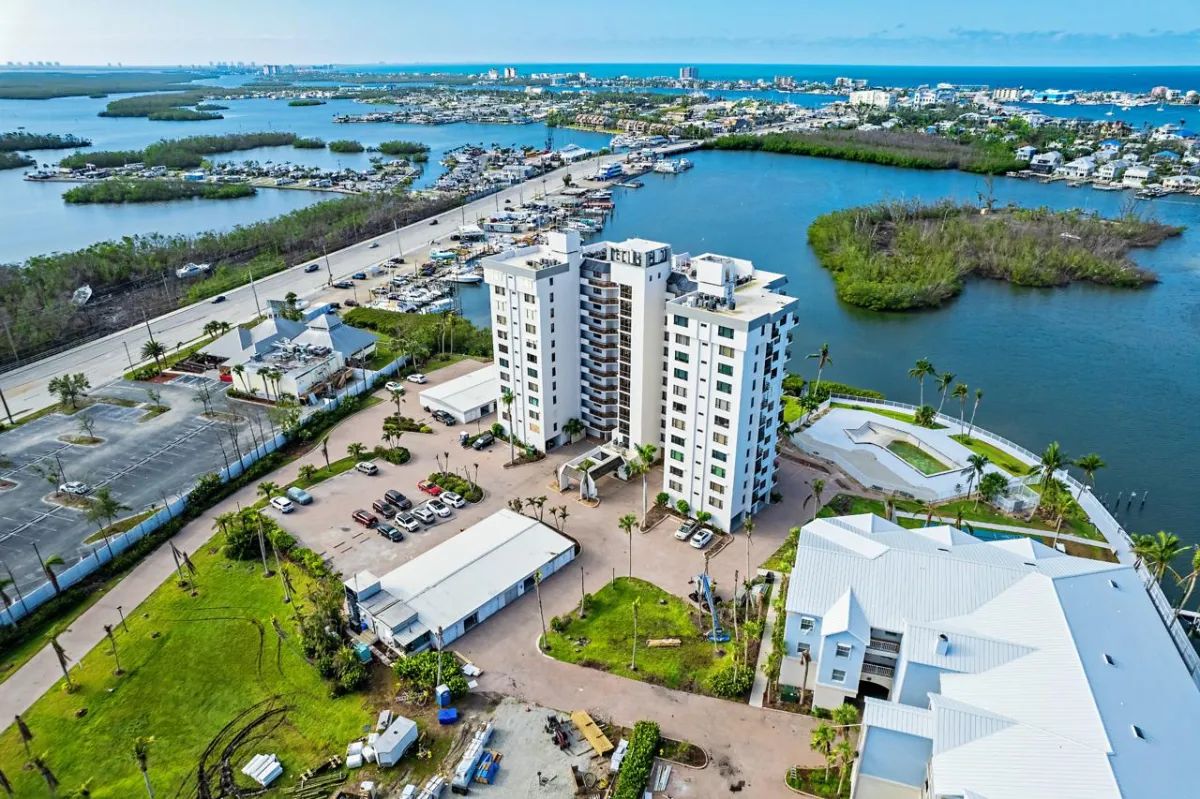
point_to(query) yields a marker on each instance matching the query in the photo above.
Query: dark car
(383, 508)
(389, 532)
(433, 221)
(394, 497)
(445, 418)
(312, 267)
(218, 298)
(364, 518)
(350, 304)
(343, 284)
(359, 276)
(484, 441)
(335, 305)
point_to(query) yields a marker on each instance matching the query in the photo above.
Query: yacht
(465, 275)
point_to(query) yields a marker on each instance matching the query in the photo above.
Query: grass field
(899, 416)
(791, 409)
(1009, 463)
(214, 656)
(917, 458)
(17, 656)
(609, 630)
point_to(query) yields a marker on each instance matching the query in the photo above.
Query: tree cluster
(130, 190)
(187, 153)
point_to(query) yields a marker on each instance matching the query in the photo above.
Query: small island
(345, 146)
(15, 161)
(211, 107)
(907, 255)
(302, 102)
(122, 190)
(309, 144)
(23, 140)
(187, 153)
(403, 147)
(182, 115)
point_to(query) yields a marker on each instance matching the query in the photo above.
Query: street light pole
(7, 412)
(328, 268)
(128, 355)
(254, 291)
(121, 612)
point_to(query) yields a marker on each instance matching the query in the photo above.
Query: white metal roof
(468, 392)
(1050, 661)
(461, 575)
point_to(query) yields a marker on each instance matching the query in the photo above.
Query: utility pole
(11, 344)
(128, 355)
(146, 321)
(16, 588)
(328, 268)
(7, 412)
(254, 291)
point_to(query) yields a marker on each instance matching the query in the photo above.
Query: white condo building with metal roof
(989, 669)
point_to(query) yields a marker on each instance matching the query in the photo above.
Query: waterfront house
(1079, 168)
(1046, 163)
(1113, 170)
(1026, 152)
(1007, 670)
(1137, 175)
(573, 152)
(1165, 157)
(1181, 182)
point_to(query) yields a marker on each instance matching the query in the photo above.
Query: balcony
(879, 671)
(885, 645)
(599, 414)
(602, 402)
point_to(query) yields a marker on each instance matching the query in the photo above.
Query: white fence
(1100, 516)
(25, 602)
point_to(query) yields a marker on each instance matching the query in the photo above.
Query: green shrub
(348, 672)
(661, 499)
(396, 455)
(558, 624)
(732, 682)
(452, 482)
(639, 759)
(419, 672)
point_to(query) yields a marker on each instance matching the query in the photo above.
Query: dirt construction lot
(748, 744)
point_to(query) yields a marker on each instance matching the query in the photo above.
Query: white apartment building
(535, 336)
(873, 97)
(646, 347)
(1006, 95)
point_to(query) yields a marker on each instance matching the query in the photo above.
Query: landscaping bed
(813, 781)
(917, 458)
(1009, 463)
(899, 416)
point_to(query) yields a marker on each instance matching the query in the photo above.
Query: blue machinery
(717, 635)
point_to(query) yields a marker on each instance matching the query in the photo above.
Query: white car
(416, 377)
(407, 521)
(282, 504)
(686, 530)
(700, 540)
(438, 507)
(366, 467)
(394, 386)
(75, 487)
(450, 498)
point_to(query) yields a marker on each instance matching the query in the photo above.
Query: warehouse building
(467, 398)
(458, 584)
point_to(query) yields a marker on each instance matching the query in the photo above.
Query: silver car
(424, 514)
(438, 507)
(450, 498)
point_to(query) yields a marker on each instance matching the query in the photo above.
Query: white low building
(458, 584)
(1137, 175)
(466, 398)
(1001, 669)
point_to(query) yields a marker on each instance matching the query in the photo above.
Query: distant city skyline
(868, 32)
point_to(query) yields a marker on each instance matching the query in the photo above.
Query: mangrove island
(153, 191)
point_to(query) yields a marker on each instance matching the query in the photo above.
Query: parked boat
(465, 275)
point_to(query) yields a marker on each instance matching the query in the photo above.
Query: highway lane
(108, 358)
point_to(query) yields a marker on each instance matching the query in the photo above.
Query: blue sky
(1008, 32)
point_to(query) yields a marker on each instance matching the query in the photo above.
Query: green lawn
(1009, 463)
(916, 457)
(608, 629)
(899, 416)
(215, 656)
(791, 409)
(18, 655)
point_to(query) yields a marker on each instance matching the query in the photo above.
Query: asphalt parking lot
(141, 462)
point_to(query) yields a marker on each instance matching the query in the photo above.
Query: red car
(432, 489)
(364, 518)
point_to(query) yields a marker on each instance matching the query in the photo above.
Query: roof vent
(942, 549)
(1109, 659)
(1113, 583)
(943, 644)
(1137, 732)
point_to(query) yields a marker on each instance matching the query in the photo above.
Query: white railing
(104, 551)
(1099, 515)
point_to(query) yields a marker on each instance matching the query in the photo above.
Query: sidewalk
(759, 691)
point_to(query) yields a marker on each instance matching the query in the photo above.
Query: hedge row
(639, 759)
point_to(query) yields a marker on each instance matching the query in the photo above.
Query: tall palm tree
(103, 511)
(961, 392)
(64, 662)
(264, 375)
(1051, 461)
(977, 463)
(845, 716)
(1190, 581)
(944, 381)
(573, 428)
(627, 523)
(240, 371)
(818, 486)
(844, 753)
(646, 455)
(978, 399)
(39, 763)
(1141, 546)
(822, 740)
(823, 360)
(1162, 552)
(1089, 464)
(8, 603)
(26, 736)
(507, 398)
(6, 786)
(397, 397)
(584, 468)
(156, 350)
(48, 569)
(923, 369)
(141, 753)
(108, 632)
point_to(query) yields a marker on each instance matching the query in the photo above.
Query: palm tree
(6, 786)
(39, 763)
(264, 375)
(397, 397)
(627, 523)
(240, 371)
(1162, 552)
(26, 736)
(977, 463)
(562, 517)
(267, 489)
(104, 507)
(141, 752)
(573, 428)
(586, 466)
(845, 716)
(961, 392)
(108, 631)
(1051, 461)
(356, 450)
(1142, 544)
(978, 399)
(945, 379)
(925, 416)
(818, 486)
(919, 372)
(844, 753)
(48, 568)
(1190, 580)
(822, 740)
(307, 472)
(64, 662)
(154, 349)
(1089, 464)
(507, 398)
(646, 455)
(823, 360)
(8, 603)
(325, 450)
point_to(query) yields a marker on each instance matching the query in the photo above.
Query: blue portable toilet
(447, 716)
(443, 695)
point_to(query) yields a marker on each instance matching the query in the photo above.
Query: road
(107, 358)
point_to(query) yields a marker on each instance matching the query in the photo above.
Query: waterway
(1109, 371)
